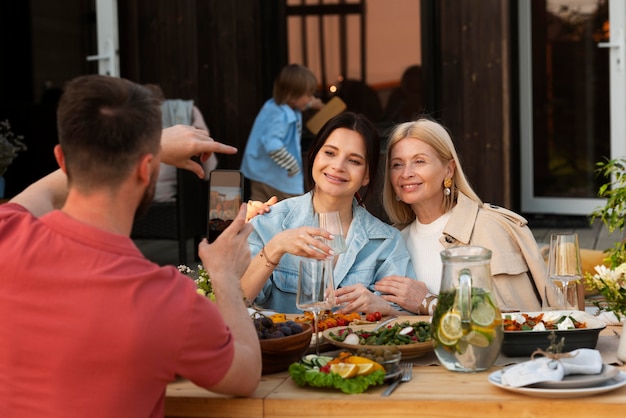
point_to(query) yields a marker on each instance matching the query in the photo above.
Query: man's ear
(147, 168)
(60, 157)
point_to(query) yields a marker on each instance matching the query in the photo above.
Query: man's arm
(179, 143)
(225, 260)
(45, 195)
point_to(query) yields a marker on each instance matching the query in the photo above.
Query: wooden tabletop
(433, 392)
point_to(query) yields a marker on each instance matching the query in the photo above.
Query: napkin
(545, 369)
(608, 318)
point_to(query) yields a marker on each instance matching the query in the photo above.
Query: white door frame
(569, 206)
(108, 41)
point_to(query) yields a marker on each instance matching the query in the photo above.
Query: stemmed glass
(331, 222)
(564, 264)
(316, 290)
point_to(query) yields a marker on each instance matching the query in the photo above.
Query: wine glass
(316, 291)
(331, 222)
(564, 263)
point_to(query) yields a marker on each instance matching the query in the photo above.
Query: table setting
(469, 356)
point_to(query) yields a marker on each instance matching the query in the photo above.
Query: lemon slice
(450, 327)
(364, 360)
(490, 333)
(345, 370)
(365, 368)
(483, 314)
(477, 339)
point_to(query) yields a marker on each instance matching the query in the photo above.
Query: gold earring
(447, 183)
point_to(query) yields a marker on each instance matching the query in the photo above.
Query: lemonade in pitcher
(467, 324)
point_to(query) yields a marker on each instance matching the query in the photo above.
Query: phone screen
(225, 197)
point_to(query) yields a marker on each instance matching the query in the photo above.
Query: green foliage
(10, 145)
(613, 213)
(614, 191)
(201, 278)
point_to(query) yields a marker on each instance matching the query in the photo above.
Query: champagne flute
(331, 222)
(564, 263)
(316, 291)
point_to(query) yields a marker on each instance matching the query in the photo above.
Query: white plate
(573, 381)
(252, 311)
(606, 386)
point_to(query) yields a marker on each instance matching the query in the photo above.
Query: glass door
(571, 101)
(108, 57)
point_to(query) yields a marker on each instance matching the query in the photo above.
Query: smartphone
(225, 198)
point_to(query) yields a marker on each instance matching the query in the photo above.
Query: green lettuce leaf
(358, 384)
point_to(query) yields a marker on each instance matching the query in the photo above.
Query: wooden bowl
(279, 353)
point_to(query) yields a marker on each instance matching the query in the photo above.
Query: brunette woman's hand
(305, 241)
(256, 207)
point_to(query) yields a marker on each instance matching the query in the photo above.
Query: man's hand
(180, 142)
(227, 258)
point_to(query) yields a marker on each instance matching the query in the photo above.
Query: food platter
(408, 350)
(524, 343)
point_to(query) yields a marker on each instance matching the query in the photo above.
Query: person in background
(178, 112)
(406, 102)
(90, 327)
(272, 159)
(343, 158)
(426, 194)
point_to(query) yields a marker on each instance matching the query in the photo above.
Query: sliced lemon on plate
(364, 360)
(345, 370)
(365, 368)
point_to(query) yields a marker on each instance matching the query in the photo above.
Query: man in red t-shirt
(90, 328)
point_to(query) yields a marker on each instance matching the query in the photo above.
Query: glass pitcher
(467, 324)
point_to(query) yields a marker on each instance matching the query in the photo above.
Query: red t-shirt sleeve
(208, 346)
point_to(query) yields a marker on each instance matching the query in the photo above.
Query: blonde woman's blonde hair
(293, 82)
(435, 135)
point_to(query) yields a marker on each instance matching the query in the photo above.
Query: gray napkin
(544, 369)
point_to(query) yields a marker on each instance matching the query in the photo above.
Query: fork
(405, 376)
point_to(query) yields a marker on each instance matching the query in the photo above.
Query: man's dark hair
(105, 125)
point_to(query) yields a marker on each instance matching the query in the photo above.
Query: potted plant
(610, 281)
(10, 145)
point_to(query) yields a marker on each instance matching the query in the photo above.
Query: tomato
(370, 317)
(378, 316)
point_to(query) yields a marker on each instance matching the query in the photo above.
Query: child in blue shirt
(272, 159)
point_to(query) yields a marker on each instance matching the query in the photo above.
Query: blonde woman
(427, 195)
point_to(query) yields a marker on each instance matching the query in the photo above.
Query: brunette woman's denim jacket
(375, 250)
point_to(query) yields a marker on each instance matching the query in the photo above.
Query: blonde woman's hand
(403, 291)
(358, 298)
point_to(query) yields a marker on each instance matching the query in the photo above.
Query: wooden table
(433, 392)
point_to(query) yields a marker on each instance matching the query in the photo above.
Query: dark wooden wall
(475, 92)
(221, 54)
(224, 54)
